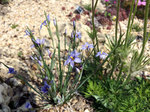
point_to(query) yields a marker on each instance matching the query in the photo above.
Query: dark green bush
(134, 97)
(4, 1)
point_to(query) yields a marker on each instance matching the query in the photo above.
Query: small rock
(86, 110)
(6, 93)
(14, 82)
(79, 10)
(5, 108)
(101, 37)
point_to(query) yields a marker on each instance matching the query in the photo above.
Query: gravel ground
(31, 13)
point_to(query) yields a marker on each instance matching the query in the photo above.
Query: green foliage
(4, 1)
(13, 26)
(138, 100)
(88, 7)
(68, 82)
(136, 27)
(113, 88)
(107, 14)
(134, 97)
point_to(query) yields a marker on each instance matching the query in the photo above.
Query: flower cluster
(72, 59)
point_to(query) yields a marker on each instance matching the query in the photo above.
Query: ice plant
(102, 55)
(12, 71)
(45, 22)
(73, 58)
(45, 88)
(87, 46)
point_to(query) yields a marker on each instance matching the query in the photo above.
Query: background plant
(4, 1)
(123, 62)
(136, 27)
(56, 87)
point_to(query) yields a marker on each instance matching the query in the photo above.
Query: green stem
(117, 20)
(145, 36)
(94, 30)
(60, 70)
(128, 27)
(134, 15)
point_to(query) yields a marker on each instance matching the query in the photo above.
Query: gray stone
(6, 93)
(101, 37)
(5, 108)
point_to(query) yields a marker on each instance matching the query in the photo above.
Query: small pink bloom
(115, 2)
(106, 0)
(141, 3)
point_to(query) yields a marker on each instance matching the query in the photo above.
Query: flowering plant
(56, 87)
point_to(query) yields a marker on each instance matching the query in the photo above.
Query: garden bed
(15, 50)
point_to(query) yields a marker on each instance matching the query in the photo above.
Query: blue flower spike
(28, 105)
(73, 58)
(74, 25)
(49, 53)
(102, 55)
(38, 42)
(45, 22)
(78, 35)
(87, 46)
(45, 88)
(54, 21)
(12, 71)
(28, 33)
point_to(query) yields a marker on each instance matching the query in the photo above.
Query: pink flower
(141, 3)
(106, 0)
(115, 2)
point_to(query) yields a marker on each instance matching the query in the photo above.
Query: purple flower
(106, 0)
(36, 59)
(54, 21)
(74, 24)
(78, 35)
(45, 88)
(73, 58)
(28, 33)
(65, 32)
(38, 42)
(45, 22)
(40, 63)
(28, 105)
(102, 55)
(49, 53)
(12, 71)
(72, 34)
(87, 46)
